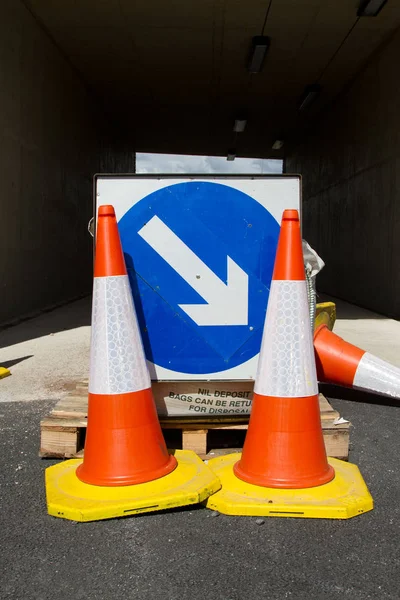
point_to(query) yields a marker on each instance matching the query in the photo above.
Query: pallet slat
(76, 402)
(76, 405)
(63, 431)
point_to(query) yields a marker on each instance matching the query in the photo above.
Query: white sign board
(200, 253)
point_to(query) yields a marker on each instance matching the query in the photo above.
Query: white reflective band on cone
(377, 375)
(117, 359)
(286, 367)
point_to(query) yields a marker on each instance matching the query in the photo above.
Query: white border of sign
(124, 191)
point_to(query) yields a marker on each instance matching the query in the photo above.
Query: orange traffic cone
(284, 444)
(284, 470)
(125, 451)
(124, 443)
(343, 364)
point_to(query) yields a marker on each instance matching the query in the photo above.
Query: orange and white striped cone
(284, 470)
(284, 445)
(124, 443)
(126, 468)
(344, 364)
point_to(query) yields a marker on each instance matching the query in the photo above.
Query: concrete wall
(350, 165)
(48, 155)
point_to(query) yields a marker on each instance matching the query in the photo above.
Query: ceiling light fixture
(231, 154)
(240, 125)
(277, 145)
(311, 92)
(258, 52)
(370, 8)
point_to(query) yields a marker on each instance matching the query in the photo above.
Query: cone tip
(107, 210)
(290, 214)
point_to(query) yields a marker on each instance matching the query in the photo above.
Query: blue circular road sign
(200, 257)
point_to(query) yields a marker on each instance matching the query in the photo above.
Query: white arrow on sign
(227, 304)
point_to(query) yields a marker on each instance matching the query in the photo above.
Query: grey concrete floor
(187, 554)
(368, 330)
(48, 354)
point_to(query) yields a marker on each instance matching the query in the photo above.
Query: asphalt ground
(193, 554)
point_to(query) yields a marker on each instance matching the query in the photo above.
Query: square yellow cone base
(344, 497)
(69, 498)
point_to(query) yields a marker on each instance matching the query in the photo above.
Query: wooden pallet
(62, 433)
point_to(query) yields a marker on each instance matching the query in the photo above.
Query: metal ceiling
(173, 74)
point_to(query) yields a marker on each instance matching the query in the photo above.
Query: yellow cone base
(344, 497)
(4, 372)
(69, 498)
(325, 315)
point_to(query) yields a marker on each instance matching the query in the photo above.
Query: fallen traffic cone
(343, 364)
(126, 467)
(284, 470)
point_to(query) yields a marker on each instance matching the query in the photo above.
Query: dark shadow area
(217, 439)
(341, 393)
(346, 310)
(190, 508)
(10, 363)
(133, 280)
(62, 318)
